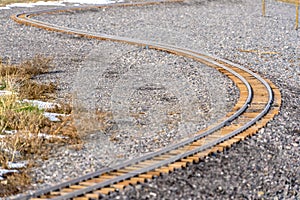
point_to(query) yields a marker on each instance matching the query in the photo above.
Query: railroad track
(258, 103)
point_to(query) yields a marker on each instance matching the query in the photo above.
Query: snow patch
(53, 116)
(41, 104)
(12, 166)
(42, 135)
(47, 136)
(5, 92)
(56, 3)
(6, 171)
(17, 165)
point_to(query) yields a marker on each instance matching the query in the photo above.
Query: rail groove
(258, 103)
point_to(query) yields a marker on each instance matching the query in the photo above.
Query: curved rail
(254, 104)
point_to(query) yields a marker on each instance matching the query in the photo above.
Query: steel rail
(25, 18)
(172, 159)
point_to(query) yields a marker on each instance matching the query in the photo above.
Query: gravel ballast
(264, 166)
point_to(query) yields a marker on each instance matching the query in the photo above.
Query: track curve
(258, 103)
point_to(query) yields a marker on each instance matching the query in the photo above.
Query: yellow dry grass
(27, 121)
(289, 1)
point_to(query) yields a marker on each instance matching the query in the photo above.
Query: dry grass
(20, 116)
(28, 142)
(258, 51)
(34, 90)
(15, 183)
(20, 78)
(27, 69)
(27, 121)
(63, 108)
(92, 121)
(289, 1)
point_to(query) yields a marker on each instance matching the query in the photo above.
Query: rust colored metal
(258, 103)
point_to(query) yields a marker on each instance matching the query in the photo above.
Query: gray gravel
(266, 166)
(151, 100)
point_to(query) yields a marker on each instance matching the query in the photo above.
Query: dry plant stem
(27, 69)
(15, 183)
(33, 90)
(27, 121)
(20, 78)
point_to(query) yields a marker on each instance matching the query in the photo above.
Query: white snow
(10, 132)
(16, 165)
(42, 135)
(30, 5)
(47, 136)
(56, 3)
(12, 168)
(5, 92)
(53, 116)
(6, 171)
(41, 104)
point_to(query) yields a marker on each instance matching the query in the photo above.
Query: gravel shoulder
(264, 166)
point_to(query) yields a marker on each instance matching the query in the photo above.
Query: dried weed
(33, 134)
